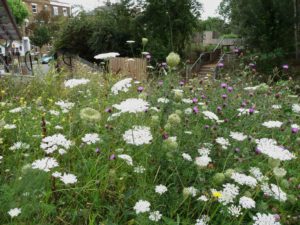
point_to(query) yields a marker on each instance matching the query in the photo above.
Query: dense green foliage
(265, 24)
(214, 24)
(167, 24)
(41, 36)
(19, 10)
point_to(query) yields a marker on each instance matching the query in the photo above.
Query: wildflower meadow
(111, 150)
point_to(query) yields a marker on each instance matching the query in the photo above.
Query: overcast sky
(209, 6)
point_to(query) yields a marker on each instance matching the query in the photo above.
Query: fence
(134, 67)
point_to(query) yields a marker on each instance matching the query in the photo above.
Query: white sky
(209, 6)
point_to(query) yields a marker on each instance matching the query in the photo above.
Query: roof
(8, 26)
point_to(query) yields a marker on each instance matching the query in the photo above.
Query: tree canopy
(41, 36)
(167, 24)
(19, 10)
(265, 24)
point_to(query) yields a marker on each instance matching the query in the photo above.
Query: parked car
(47, 58)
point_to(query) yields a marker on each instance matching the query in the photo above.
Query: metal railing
(199, 62)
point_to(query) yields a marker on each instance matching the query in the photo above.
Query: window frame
(34, 5)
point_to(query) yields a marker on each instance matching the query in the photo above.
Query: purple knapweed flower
(195, 110)
(244, 104)
(112, 157)
(224, 85)
(230, 89)
(286, 66)
(195, 100)
(257, 151)
(140, 89)
(252, 65)
(108, 110)
(251, 110)
(295, 130)
(224, 96)
(220, 65)
(277, 217)
(165, 136)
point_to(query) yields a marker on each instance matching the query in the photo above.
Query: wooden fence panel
(133, 67)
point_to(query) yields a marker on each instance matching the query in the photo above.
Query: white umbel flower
(68, 178)
(243, 179)
(276, 106)
(247, 203)
(155, 216)
(107, 55)
(270, 148)
(139, 135)
(52, 143)
(142, 206)
(238, 136)
(91, 138)
(19, 145)
(296, 108)
(203, 198)
(127, 159)
(272, 124)
(228, 194)
(223, 142)
(234, 210)
(65, 106)
(187, 157)
(44, 164)
(9, 126)
(274, 191)
(264, 219)
(212, 116)
(190, 191)
(17, 110)
(132, 105)
(202, 161)
(203, 220)
(163, 100)
(75, 82)
(14, 212)
(121, 86)
(161, 189)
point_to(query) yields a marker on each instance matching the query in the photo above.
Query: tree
(214, 24)
(171, 23)
(19, 10)
(265, 24)
(41, 36)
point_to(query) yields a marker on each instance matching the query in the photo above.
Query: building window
(65, 11)
(34, 8)
(45, 7)
(55, 11)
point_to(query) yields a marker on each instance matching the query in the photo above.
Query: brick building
(54, 7)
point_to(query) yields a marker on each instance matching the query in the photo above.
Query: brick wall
(46, 5)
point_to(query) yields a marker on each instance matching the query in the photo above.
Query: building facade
(54, 7)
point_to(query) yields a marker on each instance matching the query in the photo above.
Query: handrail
(203, 54)
(218, 45)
